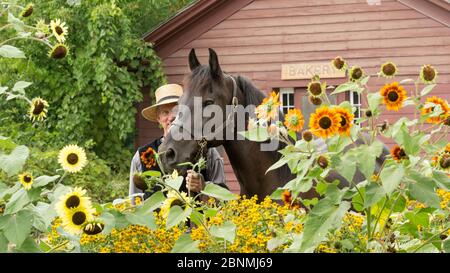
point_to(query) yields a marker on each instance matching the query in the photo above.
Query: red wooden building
(257, 38)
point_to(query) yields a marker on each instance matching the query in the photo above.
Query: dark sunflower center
(338, 63)
(389, 69)
(73, 202)
(38, 108)
(78, 218)
(27, 179)
(59, 30)
(343, 121)
(445, 162)
(315, 100)
(392, 96)
(322, 161)
(325, 123)
(401, 153)
(429, 73)
(357, 73)
(28, 12)
(72, 159)
(315, 88)
(59, 52)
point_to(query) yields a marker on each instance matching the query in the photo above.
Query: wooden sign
(308, 70)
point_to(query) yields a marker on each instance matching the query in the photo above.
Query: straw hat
(166, 94)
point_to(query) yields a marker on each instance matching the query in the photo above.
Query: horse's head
(202, 115)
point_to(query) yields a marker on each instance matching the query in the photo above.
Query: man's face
(165, 116)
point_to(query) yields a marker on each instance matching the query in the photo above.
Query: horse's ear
(216, 71)
(193, 61)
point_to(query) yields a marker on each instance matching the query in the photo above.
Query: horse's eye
(209, 102)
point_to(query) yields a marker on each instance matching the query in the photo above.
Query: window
(287, 99)
(355, 101)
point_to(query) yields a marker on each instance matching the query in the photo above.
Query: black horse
(248, 160)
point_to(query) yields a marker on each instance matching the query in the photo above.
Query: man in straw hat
(144, 159)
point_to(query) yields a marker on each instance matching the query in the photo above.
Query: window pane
(284, 99)
(291, 99)
(355, 97)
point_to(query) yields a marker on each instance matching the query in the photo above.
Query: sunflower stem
(58, 246)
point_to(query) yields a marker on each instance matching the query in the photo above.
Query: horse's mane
(252, 94)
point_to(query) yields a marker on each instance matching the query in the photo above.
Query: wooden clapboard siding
(257, 39)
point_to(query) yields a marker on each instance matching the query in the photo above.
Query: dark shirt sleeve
(214, 169)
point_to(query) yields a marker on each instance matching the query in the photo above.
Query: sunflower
(393, 96)
(325, 122)
(268, 109)
(26, 179)
(74, 220)
(316, 88)
(323, 161)
(93, 228)
(339, 63)
(59, 51)
(27, 11)
(59, 29)
(428, 74)
(139, 181)
(38, 109)
(149, 158)
(315, 100)
(307, 136)
(398, 153)
(444, 161)
(441, 104)
(294, 120)
(173, 199)
(42, 27)
(388, 70)
(72, 158)
(346, 120)
(74, 199)
(356, 73)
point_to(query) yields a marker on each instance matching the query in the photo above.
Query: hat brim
(150, 113)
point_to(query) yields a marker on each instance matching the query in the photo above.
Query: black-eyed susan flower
(74, 220)
(26, 179)
(315, 100)
(58, 51)
(294, 120)
(27, 11)
(93, 228)
(38, 109)
(269, 107)
(72, 158)
(356, 73)
(74, 199)
(431, 105)
(339, 63)
(324, 122)
(428, 74)
(316, 88)
(398, 153)
(388, 70)
(307, 135)
(346, 120)
(59, 30)
(393, 96)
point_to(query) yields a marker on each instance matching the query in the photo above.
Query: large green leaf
(8, 51)
(147, 220)
(185, 244)
(374, 100)
(42, 181)
(258, 134)
(374, 193)
(29, 246)
(226, 231)
(345, 87)
(13, 163)
(427, 89)
(347, 167)
(391, 176)
(218, 192)
(43, 214)
(318, 225)
(17, 227)
(423, 190)
(18, 200)
(20, 85)
(441, 179)
(3, 243)
(175, 183)
(152, 203)
(176, 215)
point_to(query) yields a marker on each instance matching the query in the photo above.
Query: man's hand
(194, 181)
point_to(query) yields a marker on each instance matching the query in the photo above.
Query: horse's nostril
(170, 154)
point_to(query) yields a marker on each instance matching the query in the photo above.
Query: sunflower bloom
(316, 88)
(173, 199)
(72, 158)
(74, 199)
(38, 109)
(26, 179)
(294, 120)
(356, 73)
(346, 120)
(75, 220)
(444, 161)
(59, 51)
(428, 74)
(149, 158)
(393, 96)
(438, 102)
(93, 228)
(325, 122)
(268, 109)
(27, 11)
(388, 70)
(339, 63)
(398, 153)
(59, 29)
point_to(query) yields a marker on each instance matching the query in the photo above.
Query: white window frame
(355, 104)
(289, 104)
